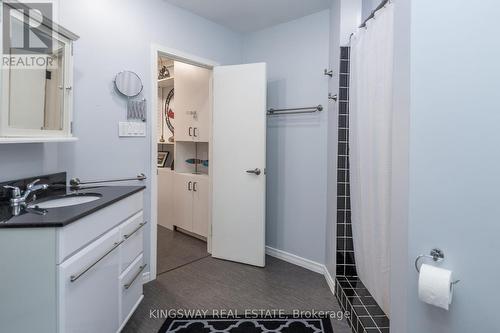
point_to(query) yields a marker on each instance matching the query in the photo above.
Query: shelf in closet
(192, 174)
(164, 83)
(190, 141)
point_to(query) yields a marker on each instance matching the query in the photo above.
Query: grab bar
(135, 230)
(312, 109)
(75, 277)
(128, 285)
(75, 182)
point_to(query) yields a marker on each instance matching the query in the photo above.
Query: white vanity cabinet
(101, 285)
(84, 277)
(192, 102)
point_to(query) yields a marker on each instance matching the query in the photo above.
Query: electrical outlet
(131, 129)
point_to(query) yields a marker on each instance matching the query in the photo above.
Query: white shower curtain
(370, 151)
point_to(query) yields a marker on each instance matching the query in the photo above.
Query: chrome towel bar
(128, 285)
(75, 182)
(75, 277)
(312, 109)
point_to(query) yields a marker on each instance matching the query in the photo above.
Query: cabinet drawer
(131, 288)
(81, 233)
(88, 296)
(132, 233)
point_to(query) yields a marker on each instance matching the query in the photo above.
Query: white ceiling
(251, 15)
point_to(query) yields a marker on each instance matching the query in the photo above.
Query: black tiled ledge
(352, 295)
(366, 315)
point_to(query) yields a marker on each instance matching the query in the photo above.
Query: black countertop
(62, 216)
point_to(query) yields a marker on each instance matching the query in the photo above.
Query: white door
(238, 163)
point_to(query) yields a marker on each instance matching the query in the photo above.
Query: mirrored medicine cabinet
(36, 77)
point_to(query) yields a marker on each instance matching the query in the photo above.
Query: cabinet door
(48, 111)
(88, 288)
(200, 205)
(192, 102)
(183, 201)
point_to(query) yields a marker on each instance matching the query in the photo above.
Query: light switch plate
(131, 129)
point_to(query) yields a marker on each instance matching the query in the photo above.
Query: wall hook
(332, 97)
(328, 72)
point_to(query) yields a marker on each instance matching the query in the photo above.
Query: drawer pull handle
(128, 285)
(135, 230)
(75, 277)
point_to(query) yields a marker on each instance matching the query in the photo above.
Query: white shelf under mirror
(4, 140)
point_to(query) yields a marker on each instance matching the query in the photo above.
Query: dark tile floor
(215, 285)
(367, 316)
(176, 249)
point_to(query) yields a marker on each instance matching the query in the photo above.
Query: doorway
(183, 113)
(201, 191)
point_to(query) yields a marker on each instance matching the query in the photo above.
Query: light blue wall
(115, 35)
(454, 183)
(368, 6)
(296, 53)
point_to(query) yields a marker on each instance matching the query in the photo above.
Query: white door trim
(179, 56)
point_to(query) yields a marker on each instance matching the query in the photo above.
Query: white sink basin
(70, 200)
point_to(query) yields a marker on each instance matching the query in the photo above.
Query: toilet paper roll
(435, 287)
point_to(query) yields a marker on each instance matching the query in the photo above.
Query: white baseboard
(330, 280)
(296, 260)
(145, 277)
(303, 262)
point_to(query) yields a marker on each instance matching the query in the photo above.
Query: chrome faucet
(17, 198)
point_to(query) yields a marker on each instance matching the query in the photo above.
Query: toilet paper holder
(437, 255)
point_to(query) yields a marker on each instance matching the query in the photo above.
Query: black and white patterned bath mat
(246, 325)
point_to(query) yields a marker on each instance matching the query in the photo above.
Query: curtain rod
(372, 15)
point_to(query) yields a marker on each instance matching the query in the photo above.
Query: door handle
(189, 186)
(194, 132)
(255, 171)
(190, 129)
(194, 186)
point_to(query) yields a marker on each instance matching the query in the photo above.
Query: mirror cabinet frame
(8, 133)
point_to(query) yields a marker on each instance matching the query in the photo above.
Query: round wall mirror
(128, 83)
